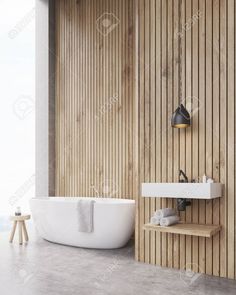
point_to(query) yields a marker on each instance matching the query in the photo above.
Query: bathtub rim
(98, 200)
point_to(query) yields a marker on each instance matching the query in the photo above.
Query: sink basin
(182, 190)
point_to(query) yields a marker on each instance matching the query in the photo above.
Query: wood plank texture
(94, 98)
(201, 74)
(122, 68)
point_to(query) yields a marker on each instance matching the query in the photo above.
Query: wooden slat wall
(94, 98)
(108, 145)
(208, 79)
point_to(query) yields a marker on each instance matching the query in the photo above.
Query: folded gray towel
(85, 210)
(165, 212)
(169, 220)
(155, 220)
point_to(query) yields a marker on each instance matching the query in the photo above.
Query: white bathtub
(56, 220)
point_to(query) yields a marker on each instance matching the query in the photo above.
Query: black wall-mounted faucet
(181, 172)
(183, 203)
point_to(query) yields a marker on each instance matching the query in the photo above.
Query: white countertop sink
(183, 190)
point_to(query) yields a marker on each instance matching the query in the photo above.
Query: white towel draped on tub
(169, 220)
(85, 210)
(165, 212)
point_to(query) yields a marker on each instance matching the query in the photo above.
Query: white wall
(42, 95)
(17, 110)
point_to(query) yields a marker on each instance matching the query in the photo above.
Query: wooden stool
(21, 227)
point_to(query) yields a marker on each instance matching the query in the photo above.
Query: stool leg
(13, 232)
(25, 232)
(20, 233)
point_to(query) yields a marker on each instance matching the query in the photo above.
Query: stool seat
(20, 217)
(20, 220)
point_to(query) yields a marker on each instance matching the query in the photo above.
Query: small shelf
(190, 229)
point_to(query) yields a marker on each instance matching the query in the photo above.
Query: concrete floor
(45, 268)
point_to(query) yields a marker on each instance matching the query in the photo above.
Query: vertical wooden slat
(73, 105)
(66, 65)
(70, 100)
(158, 110)
(187, 100)
(141, 118)
(131, 108)
(195, 122)
(202, 125)
(83, 101)
(60, 179)
(216, 130)
(169, 74)
(182, 132)
(231, 139)
(66, 102)
(75, 73)
(120, 103)
(176, 141)
(57, 94)
(223, 138)
(94, 79)
(164, 117)
(136, 126)
(153, 117)
(122, 134)
(89, 109)
(104, 113)
(147, 120)
(234, 138)
(209, 123)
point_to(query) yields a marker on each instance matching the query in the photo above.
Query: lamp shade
(180, 118)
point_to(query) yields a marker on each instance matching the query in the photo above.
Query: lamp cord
(180, 51)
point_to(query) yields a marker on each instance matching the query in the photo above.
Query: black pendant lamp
(180, 118)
